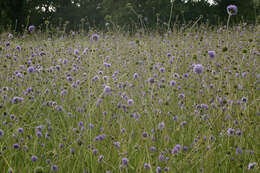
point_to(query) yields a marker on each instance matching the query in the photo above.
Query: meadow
(182, 101)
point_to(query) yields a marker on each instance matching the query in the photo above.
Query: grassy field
(184, 101)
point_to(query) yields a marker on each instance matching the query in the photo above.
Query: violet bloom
(172, 83)
(161, 126)
(130, 101)
(212, 53)
(30, 69)
(16, 146)
(107, 89)
(198, 68)
(232, 10)
(31, 28)
(251, 165)
(54, 168)
(34, 158)
(125, 161)
(95, 37)
(1, 132)
(135, 75)
(147, 166)
(17, 100)
(117, 144)
(20, 130)
(230, 131)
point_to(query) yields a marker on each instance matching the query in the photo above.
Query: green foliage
(130, 14)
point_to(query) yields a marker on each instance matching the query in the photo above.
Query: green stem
(228, 21)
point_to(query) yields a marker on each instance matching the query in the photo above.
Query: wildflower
(147, 166)
(238, 151)
(30, 69)
(161, 126)
(95, 37)
(16, 146)
(31, 28)
(172, 83)
(135, 75)
(34, 158)
(100, 158)
(232, 10)
(162, 70)
(158, 169)
(107, 89)
(17, 100)
(1, 132)
(198, 68)
(251, 165)
(145, 135)
(20, 130)
(151, 80)
(125, 161)
(230, 131)
(130, 101)
(54, 168)
(212, 53)
(117, 144)
(18, 47)
(10, 36)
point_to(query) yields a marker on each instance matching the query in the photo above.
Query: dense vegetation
(184, 101)
(129, 14)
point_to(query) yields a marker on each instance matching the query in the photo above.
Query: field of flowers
(184, 101)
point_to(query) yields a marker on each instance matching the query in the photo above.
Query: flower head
(95, 37)
(31, 28)
(232, 10)
(212, 53)
(34, 158)
(198, 68)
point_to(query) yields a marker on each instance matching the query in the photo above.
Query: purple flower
(95, 37)
(230, 131)
(158, 169)
(151, 80)
(20, 130)
(161, 126)
(1, 132)
(125, 161)
(251, 165)
(18, 47)
(10, 36)
(145, 135)
(130, 101)
(212, 53)
(17, 100)
(34, 158)
(16, 146)
(31, 28)
(54, 168)
(162, 70)
(198, 68)
(30, 69)
(100, 158)
(107, 89)
(232, 10)
(147, 166)
(117, 144)
(172, 83)
(135, 75)
(238, 151)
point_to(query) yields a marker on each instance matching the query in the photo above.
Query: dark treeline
(128, 14)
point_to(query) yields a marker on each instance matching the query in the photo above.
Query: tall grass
(158, 113)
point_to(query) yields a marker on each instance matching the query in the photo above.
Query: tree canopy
(82, 14)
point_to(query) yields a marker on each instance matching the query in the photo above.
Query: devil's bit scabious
(232, 10)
